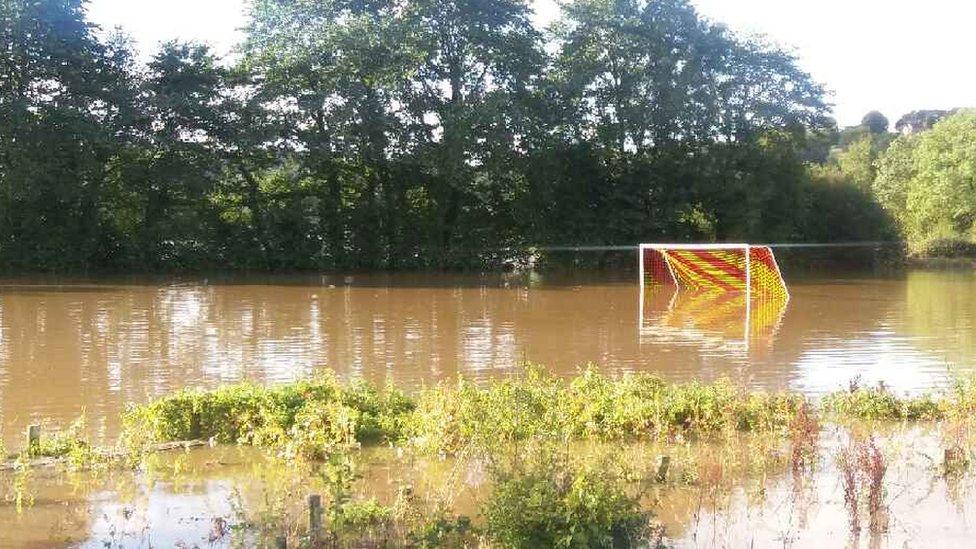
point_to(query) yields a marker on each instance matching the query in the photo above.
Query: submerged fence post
(952, 458)
(314, 515)
(663, 462)
(33, 440)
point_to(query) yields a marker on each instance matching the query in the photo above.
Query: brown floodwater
(744, 494)
(83, 346)
(72, 347)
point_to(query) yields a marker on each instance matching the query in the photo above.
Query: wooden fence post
(33, 440)
(314, 515)
(663, 462)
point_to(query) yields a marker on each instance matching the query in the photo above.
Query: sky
(887, 55)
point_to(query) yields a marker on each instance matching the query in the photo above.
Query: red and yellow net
(720, 269)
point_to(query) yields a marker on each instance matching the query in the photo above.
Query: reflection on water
(730, 323)
(95, 347)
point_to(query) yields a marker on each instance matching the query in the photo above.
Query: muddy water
(68, 347)
(740, 497)
(73, 346)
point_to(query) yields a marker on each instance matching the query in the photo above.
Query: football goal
(713, 267)
(726, 295)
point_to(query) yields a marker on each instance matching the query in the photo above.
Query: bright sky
(892, 56)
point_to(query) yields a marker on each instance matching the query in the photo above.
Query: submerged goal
(713, 267)
(720, 296)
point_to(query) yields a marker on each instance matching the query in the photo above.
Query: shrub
(878, 403)
(311, 414)
(547, 501)
(448, 419)
(948, 247)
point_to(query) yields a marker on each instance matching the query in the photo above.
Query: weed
(804, 436)
(863, 467)
(308, 417)
(590, 406)
(545, 499)
(879, 403)
(71, 444)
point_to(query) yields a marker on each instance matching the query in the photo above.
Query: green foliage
(857, 162)
(349, 520)
(948, 247)
(452, 418)
(844, 211)
(321, 418)
(925, 180)
(546, 500)
(310, 418)
(878, 403)
(71, 444)
(380, 134)
(876, 122)
(318, 417)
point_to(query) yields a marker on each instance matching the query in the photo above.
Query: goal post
(716, 292)
(711, 289)
(713, 267)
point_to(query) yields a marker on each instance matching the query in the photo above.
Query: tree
(387, 134)
(481, 59)
(681, 112)
(926, 180)
(875, 122)
(919, 121)
(341, 68)
(61, 104)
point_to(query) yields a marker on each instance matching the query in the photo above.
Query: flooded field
(739, 493)
(69, 348)
(73, 347)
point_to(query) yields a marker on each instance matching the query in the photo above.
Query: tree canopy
(927, 180)
(388, 134)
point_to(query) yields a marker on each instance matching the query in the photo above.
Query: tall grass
(316, 416)
(451, 417)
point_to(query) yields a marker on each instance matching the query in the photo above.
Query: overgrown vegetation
(70, 445)
(315, 417)
(879, 403)
(309, 418)
(538, 443)
(545, 498)
(926, 181)
(452, 417)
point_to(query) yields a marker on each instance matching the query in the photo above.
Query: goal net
(713, 267)
(728, 296)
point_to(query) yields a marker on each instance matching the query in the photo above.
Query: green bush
(548, 501)
(70, 444)
(311, 415)
(450, 418)
(878, 403)
(948, 247)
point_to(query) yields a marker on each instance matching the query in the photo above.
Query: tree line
(394, 134)
(924, 176)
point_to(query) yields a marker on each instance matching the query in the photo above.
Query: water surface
(68, 347)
